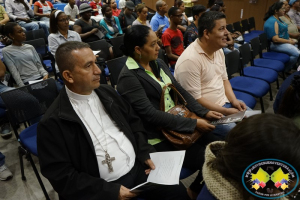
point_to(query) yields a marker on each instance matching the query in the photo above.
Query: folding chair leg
(270, 91)
(38, 176)
(277, 82)
(262, 105)
(21, 153)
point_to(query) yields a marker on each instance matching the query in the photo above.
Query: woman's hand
(45, 77)
(94, 30)
(203, 126)
(213, 115)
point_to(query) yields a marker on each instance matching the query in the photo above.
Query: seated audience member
(225, 162)
(216, 7)
(172, 38)
(191, 33)
(5, 173)
(87, 28)
(210, 3)
(221, 4)
(110, 23)
(283, 87)
(290, 103)
(293, 12)
(122, 5)
(72, 11)
(185, 22)
(96, 5)
(292, 27)
(136, 2)
(22, 60)
(21, 12)
(201, 68)
(147, 76)
(126, 18)
(4, 40)
(142, 12)
(87, 125)
(277, 33)
(3, 16)
(42, 9)
(79, 2)
(60, 33)
(115, 11)
(159, 18)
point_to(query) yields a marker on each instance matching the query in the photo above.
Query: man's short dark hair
(63, 54)
(207, 21)
(159, 4)
(172, 11)
(197, 9)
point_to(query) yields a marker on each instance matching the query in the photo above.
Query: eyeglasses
(64, 20)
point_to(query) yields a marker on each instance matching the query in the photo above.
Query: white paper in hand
(167, 169)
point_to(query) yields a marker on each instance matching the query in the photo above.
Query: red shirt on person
(95, 5)
(116, 12)
(175, 40)
(47, 6)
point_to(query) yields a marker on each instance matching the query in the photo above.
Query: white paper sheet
(95, 52)
(167, 168)
(249, 113)
(31, 82)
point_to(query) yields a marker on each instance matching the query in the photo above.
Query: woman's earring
(140, 56)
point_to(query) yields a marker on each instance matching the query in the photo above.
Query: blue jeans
(236, 47)
(289, 49)
(44, 24)
(2, 159)
(35, 26)
(222, 130)
(4, 88)
(29, 26)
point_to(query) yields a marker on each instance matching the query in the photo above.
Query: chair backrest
(245, 25)
(251, 23)
(255, 44)
(237, 26)
(232, 61)
(245, 52)
(59, 6)
(35, 34)
(39, 45)
(115, 66)
(117, 42)
(162, 55)
(150, 15)
(263, 41)
(29, 102)
(229, 27)
(100, 45)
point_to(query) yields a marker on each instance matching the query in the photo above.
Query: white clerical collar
(79, 97)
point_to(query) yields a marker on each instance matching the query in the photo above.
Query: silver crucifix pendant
(108, 160)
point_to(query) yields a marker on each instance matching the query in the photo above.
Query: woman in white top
(60, 33)
(142, 12)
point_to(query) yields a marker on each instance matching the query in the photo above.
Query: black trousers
(194, 156)
(137, 176)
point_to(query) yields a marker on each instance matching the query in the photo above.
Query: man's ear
(67, 75)
(206, 34)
